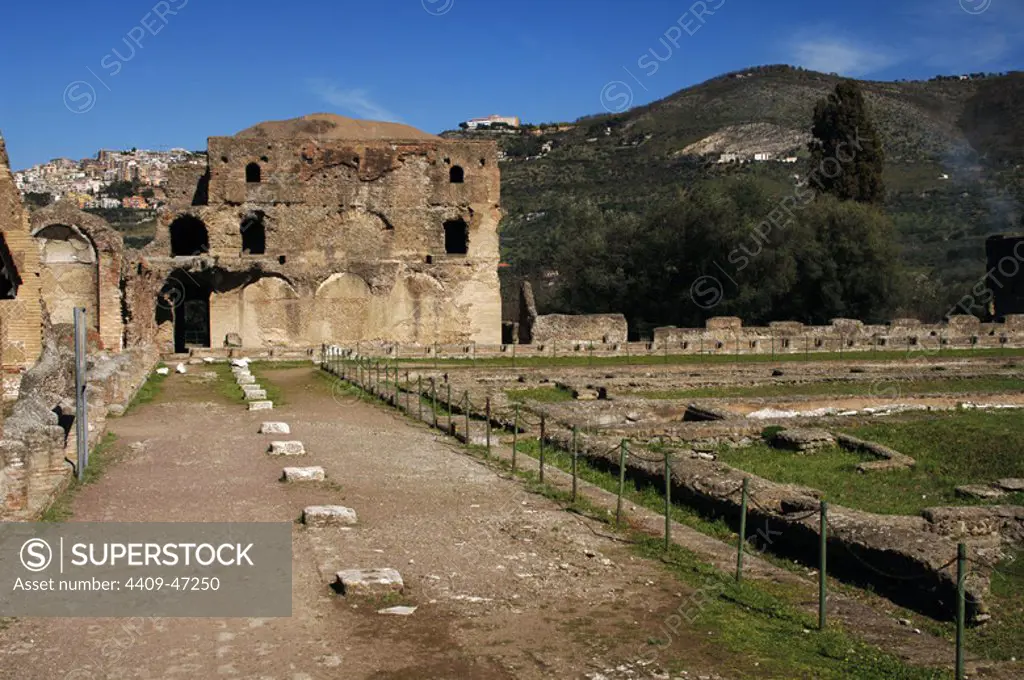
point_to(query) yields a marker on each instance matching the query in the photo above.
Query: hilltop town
(134, 179)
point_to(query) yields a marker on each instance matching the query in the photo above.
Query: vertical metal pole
(487, 409)
(668, 500)
(623, 452)
(449, 404)
(822, 566)
(433, 398)
(468, 442)
(515, 439)
(408, 389)
(419, 397)
(743, 531)
(540, 441)
(81, 408)
(575, 456)
(961, 607)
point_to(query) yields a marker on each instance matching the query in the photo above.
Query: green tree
(847, 159)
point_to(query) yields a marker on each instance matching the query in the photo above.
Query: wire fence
(385, 381)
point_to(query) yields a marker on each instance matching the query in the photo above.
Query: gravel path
(507, 585)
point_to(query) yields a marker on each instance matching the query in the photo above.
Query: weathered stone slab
(303, 474)
(246, 380)
(261, 405)
(369, 581)
(802, 439)
(287, 449)
(256, 395)
(1011, 485)
(275, 428)
(328, 516)
(979, 491)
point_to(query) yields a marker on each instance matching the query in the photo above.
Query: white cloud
(841, 56)
(354, 101)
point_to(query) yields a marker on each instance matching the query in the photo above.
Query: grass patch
(964, 447)
(149, 390)
(549, 395)
(1003, 637)
(886, 389)
(758, 621)
(99, 459)
(274, 392)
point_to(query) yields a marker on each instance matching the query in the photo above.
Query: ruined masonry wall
(21, 318)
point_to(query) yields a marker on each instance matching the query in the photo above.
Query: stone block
(275, 428)
(979, 491)
(246, 380)
(261, 405)
(328, 516)
(256, 395)
(802, 439)
(303, 474)
(287, 449)
(1011, 485)
(369, 581)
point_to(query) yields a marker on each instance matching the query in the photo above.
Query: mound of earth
(327, 126)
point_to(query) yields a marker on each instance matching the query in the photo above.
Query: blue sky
(80, 75)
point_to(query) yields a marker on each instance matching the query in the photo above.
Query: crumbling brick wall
(728, 335)
(356, 232)
(94, 284)
(21, 317)
(581, 328)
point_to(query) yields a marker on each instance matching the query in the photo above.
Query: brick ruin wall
(727, 335)
(355, 245)
(580, 328)
(21, 317)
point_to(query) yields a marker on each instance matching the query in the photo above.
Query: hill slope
(954, 150)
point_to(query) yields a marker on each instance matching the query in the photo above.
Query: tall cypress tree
(846, 152)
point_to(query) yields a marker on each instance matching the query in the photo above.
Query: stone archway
(68, 273)
(80, 266)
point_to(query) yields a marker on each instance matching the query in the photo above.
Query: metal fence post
(81, 407)
(468, 442)
(448, 403)
(487, 413)
(668, 500)
(575, 457)
(540, 441)
(408, 390)
(623, 452)
(822, 576)
(743, 531)
(433, 398)
(515, 438)
(961, 607)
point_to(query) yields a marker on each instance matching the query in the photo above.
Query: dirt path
(507, 584)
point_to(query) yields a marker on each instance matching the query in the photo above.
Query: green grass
(149, 390)
(582, 358)
(758, 622)
(274, 392)
(886, 388)
(951, 449)
(99, 460)
(1003, 637)
(544, 394)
